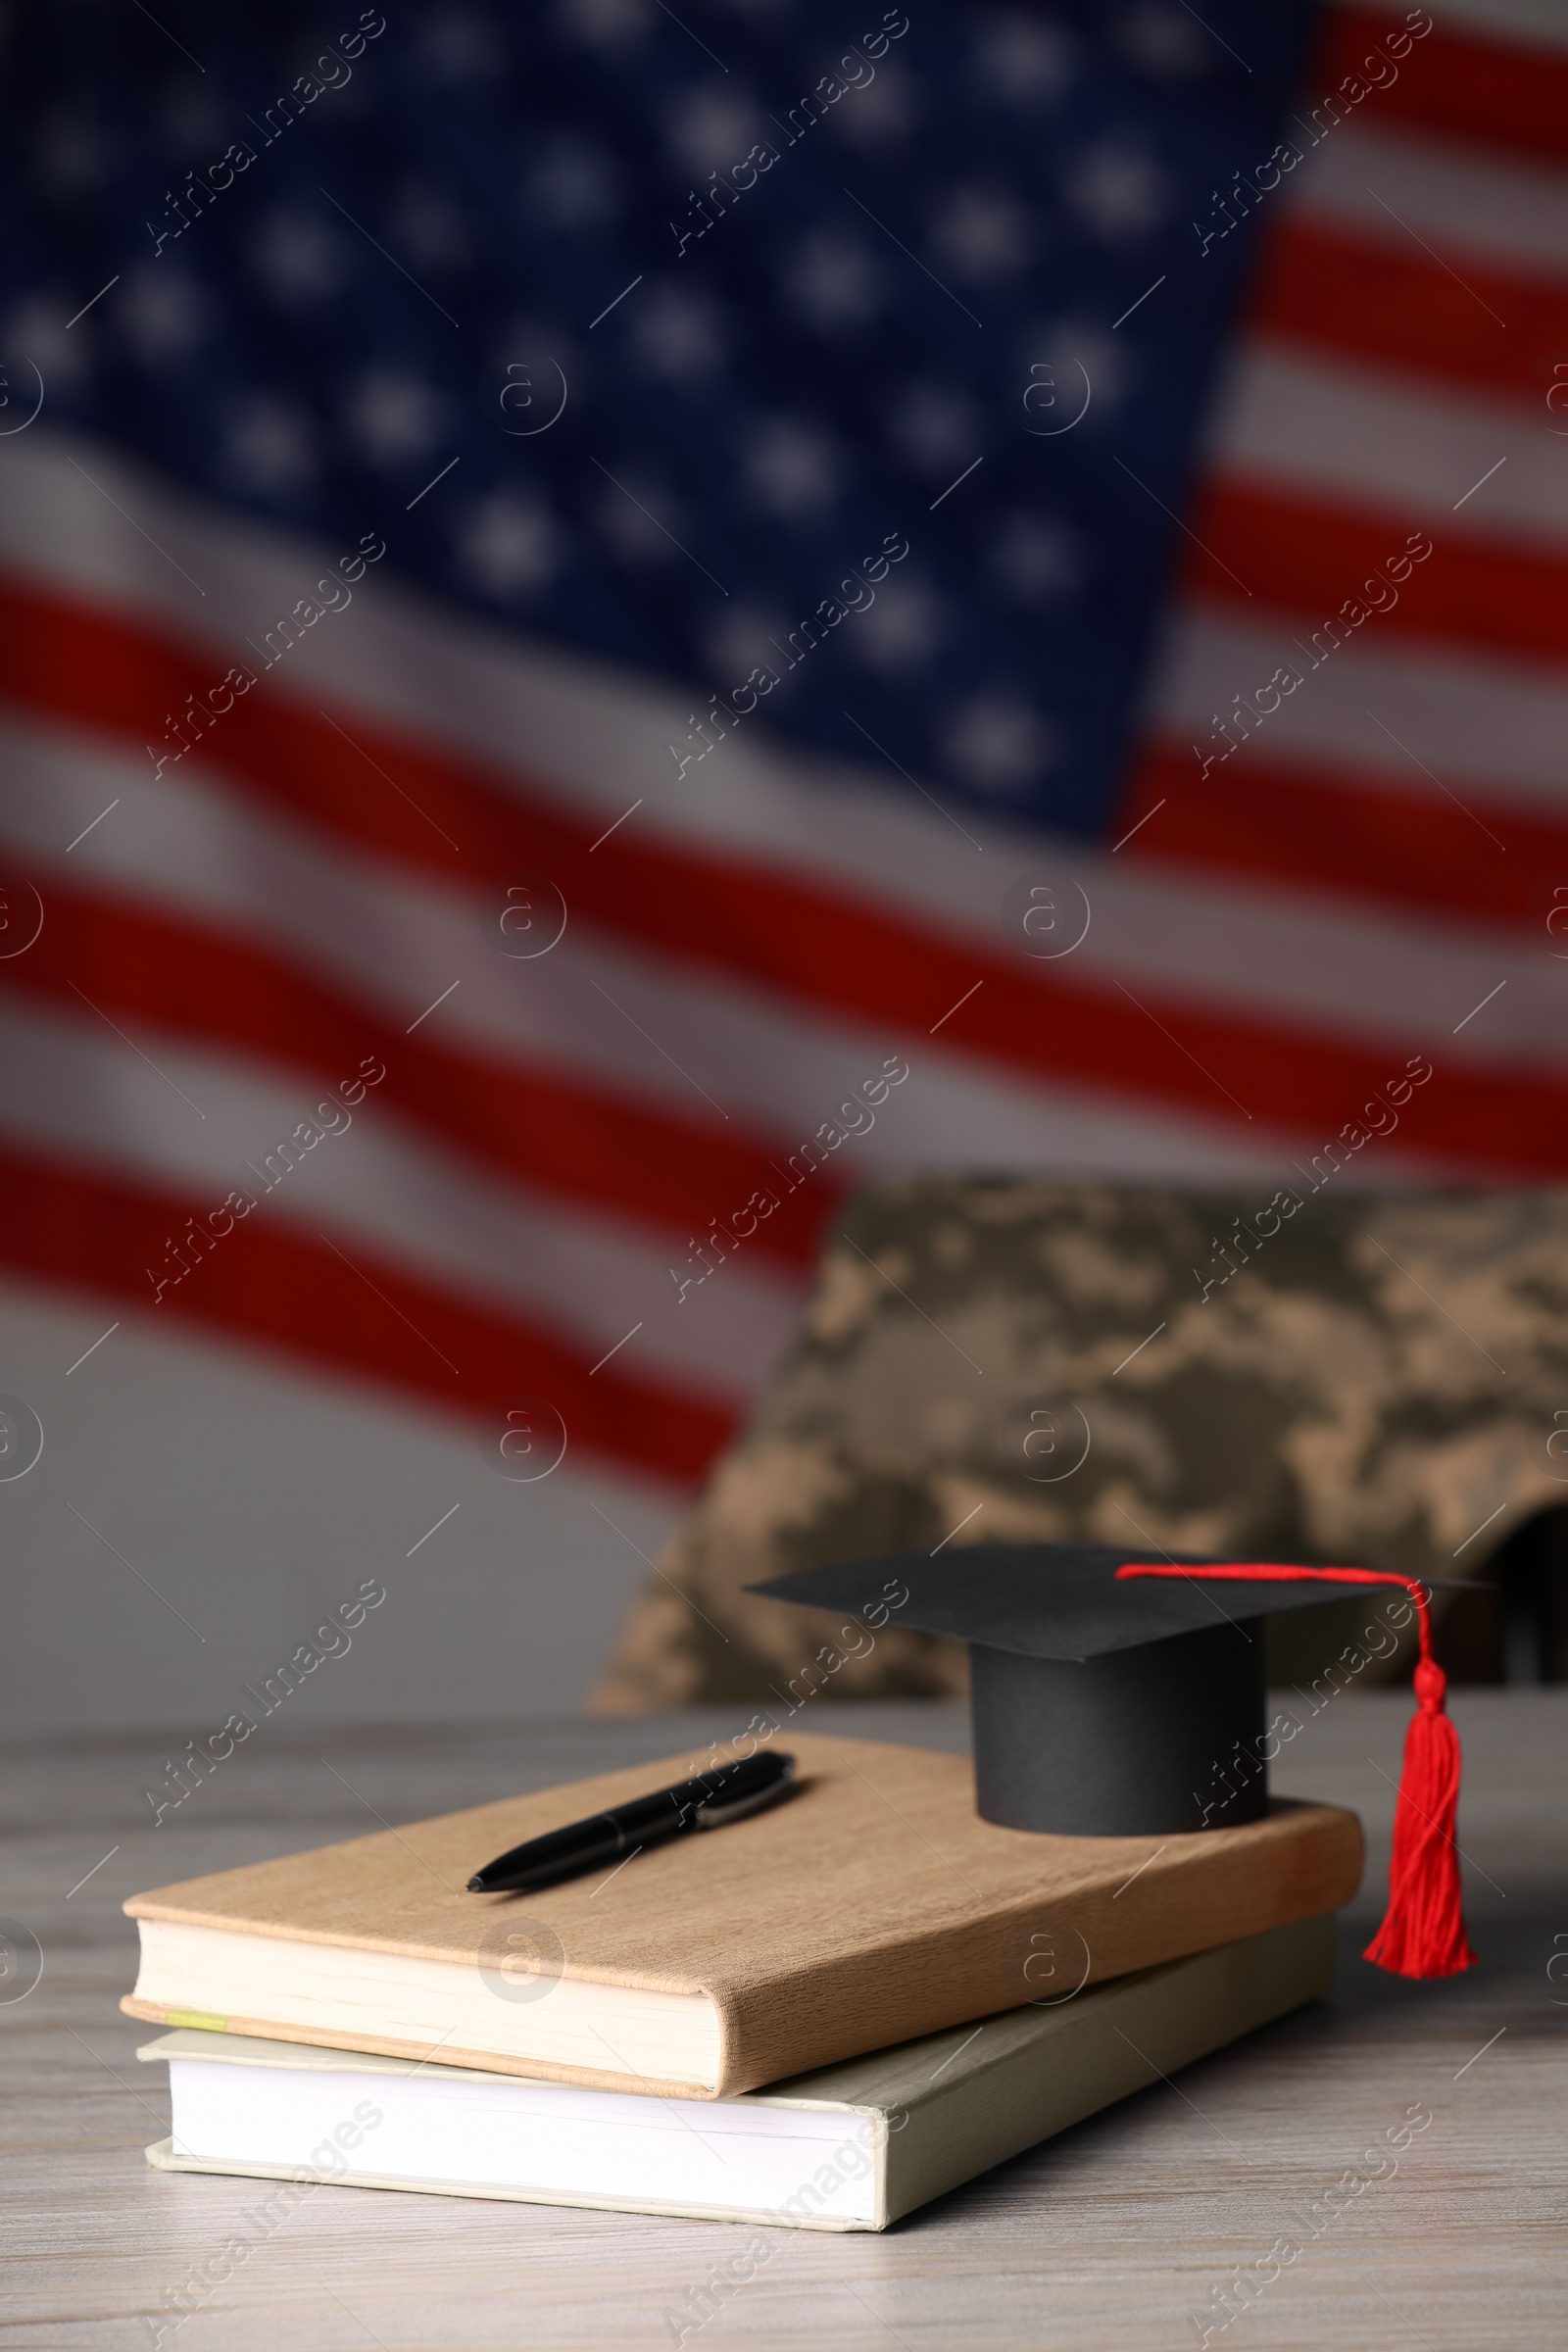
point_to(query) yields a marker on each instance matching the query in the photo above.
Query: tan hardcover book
(873, 1907)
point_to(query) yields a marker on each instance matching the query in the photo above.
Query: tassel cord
(1423, 1931)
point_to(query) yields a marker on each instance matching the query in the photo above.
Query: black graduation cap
(1101, 1706)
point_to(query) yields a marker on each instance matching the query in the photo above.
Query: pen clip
(713, 1815)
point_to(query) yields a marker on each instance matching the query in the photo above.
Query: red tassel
(1423, 1932)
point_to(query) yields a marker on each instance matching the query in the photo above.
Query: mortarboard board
(1118, 1694)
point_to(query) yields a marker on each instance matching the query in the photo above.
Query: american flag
(616, 621)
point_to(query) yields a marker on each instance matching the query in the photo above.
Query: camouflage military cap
(1380, 1379)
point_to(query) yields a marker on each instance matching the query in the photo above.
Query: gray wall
(235, 1501)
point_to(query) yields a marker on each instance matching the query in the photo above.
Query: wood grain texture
(874, 1906)
(1105, 2240)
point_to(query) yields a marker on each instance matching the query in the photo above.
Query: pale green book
(853, 2146)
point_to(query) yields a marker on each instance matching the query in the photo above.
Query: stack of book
(827, 2015)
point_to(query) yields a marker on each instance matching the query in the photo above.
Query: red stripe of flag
(1268, 820)
(297, 1296)
(813, 942)
(1502, 93)
(1305, 555)
(560, 1134)
(1359, 297)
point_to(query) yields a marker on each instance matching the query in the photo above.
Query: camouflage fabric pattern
(1363, 1379)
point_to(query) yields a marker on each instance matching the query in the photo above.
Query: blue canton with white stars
(643, 333)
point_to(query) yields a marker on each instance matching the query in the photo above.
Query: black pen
(707, 1802)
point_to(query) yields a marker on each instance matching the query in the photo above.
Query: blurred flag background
(612, 623)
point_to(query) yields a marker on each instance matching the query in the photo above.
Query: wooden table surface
(1111, 2235)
